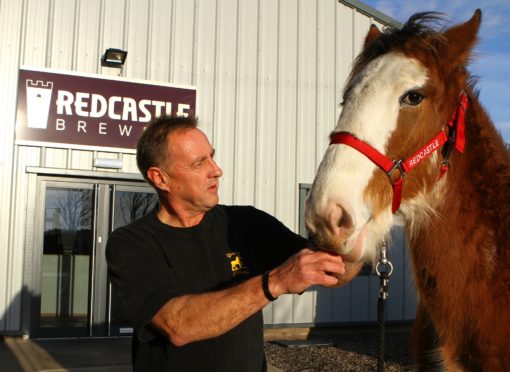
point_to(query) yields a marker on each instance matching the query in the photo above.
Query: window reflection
(68, 221)
(130, 206)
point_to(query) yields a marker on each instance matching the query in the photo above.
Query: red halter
(455, 137)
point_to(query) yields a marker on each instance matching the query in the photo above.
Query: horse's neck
(484, 168)
(472, 203)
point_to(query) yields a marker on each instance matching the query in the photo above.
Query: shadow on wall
(23, 354)
(10, 353)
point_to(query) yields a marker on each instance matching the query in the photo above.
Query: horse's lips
(351, 249)
(355, 247)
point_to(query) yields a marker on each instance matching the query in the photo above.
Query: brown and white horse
(409, 108)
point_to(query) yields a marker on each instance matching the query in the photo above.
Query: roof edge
(373, 13)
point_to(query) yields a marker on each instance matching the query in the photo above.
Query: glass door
(73, 297)
(67, 250)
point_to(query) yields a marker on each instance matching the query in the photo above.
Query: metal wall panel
(88, 33)
(329, 88)
(206, 56)
(114, 29)
(267, 107)
(55, 158)
(246, 93)
(136, 38)
(184, 44)
(63, 34)
(129, 163)
(10, 38)
(158, 51)
(225, 92)
(14, 282)
(81, 159)
(286, 122)
(269, 76)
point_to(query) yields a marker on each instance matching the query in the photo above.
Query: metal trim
(78, 173)
(372, 13)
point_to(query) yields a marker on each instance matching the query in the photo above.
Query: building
(268, 77)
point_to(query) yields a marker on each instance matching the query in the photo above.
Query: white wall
(269, 76)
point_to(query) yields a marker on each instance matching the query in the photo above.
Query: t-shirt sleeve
(141, 275)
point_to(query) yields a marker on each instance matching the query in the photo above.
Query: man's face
(193, 175)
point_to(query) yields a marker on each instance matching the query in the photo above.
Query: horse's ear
(373, 34)
(463, 37)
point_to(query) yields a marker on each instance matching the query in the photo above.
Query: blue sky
(492, 54)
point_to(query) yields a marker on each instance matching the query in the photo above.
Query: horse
(413, 141)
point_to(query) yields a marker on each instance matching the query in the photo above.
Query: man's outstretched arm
(189, 318)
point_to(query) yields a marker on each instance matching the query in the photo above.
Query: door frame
(101, 183)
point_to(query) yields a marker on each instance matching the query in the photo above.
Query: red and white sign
(66, 109)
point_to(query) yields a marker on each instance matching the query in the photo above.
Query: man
(194, 275)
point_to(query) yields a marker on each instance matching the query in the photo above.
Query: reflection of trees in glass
(75, 208)
(133, 205)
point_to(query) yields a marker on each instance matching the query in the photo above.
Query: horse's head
(403, 90)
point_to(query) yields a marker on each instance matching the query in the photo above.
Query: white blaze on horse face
(336, 213)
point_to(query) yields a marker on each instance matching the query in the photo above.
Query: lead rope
(384, 268)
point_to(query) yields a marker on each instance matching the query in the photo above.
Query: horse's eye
(411, 99)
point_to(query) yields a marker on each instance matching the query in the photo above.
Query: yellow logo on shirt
(237, 264)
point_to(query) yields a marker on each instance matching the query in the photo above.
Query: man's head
(152, 146)
(177, 159)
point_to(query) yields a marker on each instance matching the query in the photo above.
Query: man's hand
(305, 269)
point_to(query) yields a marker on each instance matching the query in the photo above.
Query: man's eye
(411, 98)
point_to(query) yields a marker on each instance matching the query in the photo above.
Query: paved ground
(73, 355)
(81, 355)
(290, 350)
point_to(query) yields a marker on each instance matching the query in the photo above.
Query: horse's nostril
(341, 222)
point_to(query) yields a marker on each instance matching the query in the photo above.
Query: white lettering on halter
(430, 148)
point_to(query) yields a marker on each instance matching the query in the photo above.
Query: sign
(66, 109)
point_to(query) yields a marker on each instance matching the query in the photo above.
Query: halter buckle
(397, 164)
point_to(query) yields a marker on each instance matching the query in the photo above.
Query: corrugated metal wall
(269, 76)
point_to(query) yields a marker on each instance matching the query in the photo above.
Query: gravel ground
(355, 350)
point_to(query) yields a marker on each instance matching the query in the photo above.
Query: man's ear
(159, 178)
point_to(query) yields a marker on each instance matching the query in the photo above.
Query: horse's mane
(424, 26)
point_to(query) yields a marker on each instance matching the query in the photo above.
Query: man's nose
(216, 170)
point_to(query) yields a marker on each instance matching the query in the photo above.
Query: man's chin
(211, 203)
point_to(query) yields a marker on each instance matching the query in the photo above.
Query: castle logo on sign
(38, 103)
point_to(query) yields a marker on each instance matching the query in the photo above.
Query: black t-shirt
(150, 262)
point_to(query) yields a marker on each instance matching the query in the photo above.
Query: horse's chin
(350, 249)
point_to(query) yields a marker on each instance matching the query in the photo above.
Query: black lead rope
(381, 302)
(384, 268)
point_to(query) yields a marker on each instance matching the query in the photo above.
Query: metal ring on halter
(397, 164)
(387, 264)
